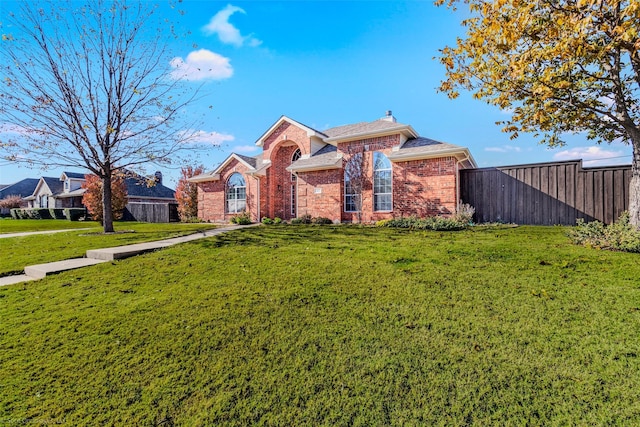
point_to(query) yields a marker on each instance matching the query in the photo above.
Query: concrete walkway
(96, 256)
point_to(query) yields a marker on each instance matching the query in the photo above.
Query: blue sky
(330, 63)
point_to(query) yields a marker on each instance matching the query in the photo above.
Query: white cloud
(204, 137)
(227, 32)
(201, 65)
(504, 149)
(594, 156)
(245, 148)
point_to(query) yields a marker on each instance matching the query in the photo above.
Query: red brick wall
(211, 195)
(320, 194)
(425, 187)
(286, 132)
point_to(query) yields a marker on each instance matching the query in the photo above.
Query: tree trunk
(107, 211)
(634, 186)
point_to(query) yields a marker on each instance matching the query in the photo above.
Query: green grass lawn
(334, 325)
(9, 225)
(18, 252)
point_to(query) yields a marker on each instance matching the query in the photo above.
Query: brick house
(305, 171)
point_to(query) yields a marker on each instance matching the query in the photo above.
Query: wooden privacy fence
(546, 193)
(151, 212)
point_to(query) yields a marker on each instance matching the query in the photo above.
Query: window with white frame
(382, 183)
(236, 193)
(353, 183)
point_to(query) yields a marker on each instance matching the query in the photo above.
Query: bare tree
(88, 85)
(356, 180)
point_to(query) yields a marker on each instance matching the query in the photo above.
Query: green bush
(243, 218)
(44, 213)
(436, 223)
(15, 213)
(56, 213)
(304, 219)
(277, 220)
(321, 221)
(74, 214)
(619, 236)
(267, 220)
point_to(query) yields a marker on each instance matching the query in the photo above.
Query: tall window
(353, 179)
(236, 194)
(294, 194)
(382, 189)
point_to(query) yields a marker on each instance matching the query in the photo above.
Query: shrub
(464, 213)
(243, 218)
(43, 213)
(74, 214)
(267, 221)
(304, 219)
(436, 223)
(14, 213)
(12, 201)
(277, 220)
(56, 213)
(619, 236)
(321, 221)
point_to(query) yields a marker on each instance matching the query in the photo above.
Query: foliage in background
(187, 193)
(89, 85)
(12, 201)
(619, 236)
(558, 66)
(92, 197)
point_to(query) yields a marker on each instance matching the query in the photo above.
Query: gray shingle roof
(137, 187)
(425, 145)
(362, 127)
(22, 188)
(324, 158)
(75, 175)
(249, 160)
(55, 185)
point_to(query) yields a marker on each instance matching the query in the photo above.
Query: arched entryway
(283, 186)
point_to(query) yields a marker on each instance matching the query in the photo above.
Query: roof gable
(310, 131)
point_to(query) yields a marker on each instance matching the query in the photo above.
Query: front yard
(336, 325)
(18, 252)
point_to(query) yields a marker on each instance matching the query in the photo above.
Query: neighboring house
(22, 189)
(67, 191)
(302, 171)
(62, 192)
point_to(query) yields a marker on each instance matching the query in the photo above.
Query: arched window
(382, 189)
(236, 193)
(294, 193)
(354, 174)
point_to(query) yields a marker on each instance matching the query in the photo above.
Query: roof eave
(362, 135)
(462, 154)
(336, 165)
(204, 178)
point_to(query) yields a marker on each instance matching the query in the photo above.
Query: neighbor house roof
(74, 175)
(23, 188)
(137, 187)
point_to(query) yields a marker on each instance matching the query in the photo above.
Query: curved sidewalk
(96, 256)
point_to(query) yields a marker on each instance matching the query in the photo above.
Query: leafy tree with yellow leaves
(560, 66)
